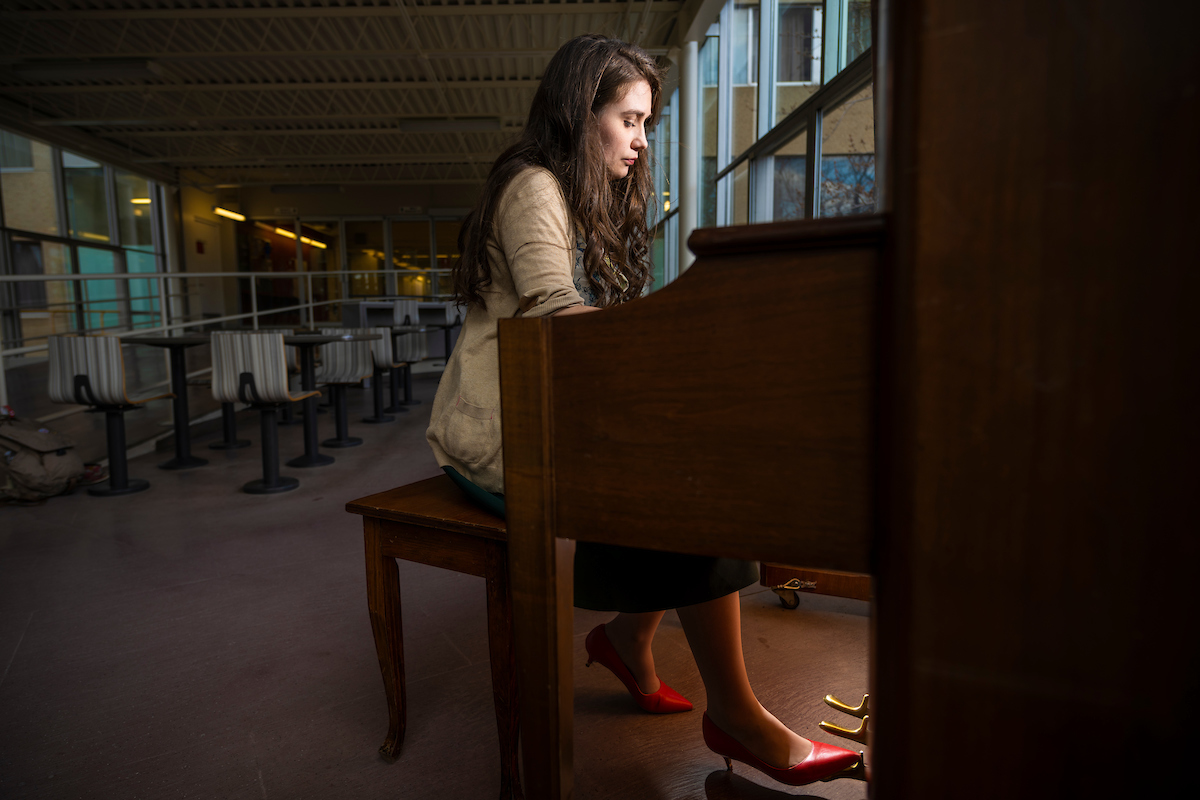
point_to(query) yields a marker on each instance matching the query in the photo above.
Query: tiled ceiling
(265, 92)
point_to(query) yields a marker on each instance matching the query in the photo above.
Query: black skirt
(609, 577)
(613, 578)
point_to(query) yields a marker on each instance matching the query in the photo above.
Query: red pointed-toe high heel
(665, 701)
(824, 761)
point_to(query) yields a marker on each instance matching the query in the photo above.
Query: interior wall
(208, 246)
(366, 200)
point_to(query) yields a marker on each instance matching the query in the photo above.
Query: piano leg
(543, 622)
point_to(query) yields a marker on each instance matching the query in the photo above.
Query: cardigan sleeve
(535, 234)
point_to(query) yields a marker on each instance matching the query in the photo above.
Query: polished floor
(192, 641)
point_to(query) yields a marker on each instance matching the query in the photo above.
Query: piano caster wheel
(787, 598)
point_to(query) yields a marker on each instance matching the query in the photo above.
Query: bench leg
(383, 601)
(503, 659)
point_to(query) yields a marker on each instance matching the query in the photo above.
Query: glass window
(789, 179)
(101, 299)
(447, 253)
(143, 295)
(16, 152)
(27, 184)
(847, 176)
(741, 193)
(270, 247)
(133, 211)
(364, 250)
(798, 59)
(658, 257)
(707, 216)
(43, 308)
(661, 148)
(745, 74)
(87, 203)
(324, 255)
(858, 29)
(410, 255)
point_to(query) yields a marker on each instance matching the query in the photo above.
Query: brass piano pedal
(859, 735)
(856, 772)
(787, 592)
(859, 711)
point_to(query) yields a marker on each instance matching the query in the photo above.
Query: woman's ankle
(634, 652)
(759, 731)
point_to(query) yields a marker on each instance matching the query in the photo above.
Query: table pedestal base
(349, 441)
(315, 460)
(184, 463)
(261, 487)
(132, 485)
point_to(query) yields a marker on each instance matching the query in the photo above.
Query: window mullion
(768, 59)
(724, 112)
(812, 188)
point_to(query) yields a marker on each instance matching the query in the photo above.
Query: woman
(561, 229)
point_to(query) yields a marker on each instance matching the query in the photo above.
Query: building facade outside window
(62, 213)
(786, 114)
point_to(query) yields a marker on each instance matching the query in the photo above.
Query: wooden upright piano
(986, 399)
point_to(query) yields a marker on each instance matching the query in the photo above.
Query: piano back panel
(728, 413)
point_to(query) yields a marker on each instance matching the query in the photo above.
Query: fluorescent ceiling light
(140, 201)
(288, 234)
(225, 212)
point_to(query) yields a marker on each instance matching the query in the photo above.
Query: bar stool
(90, 371)
(343, 364)
(251, 368)
(410, 348)
(289, 415)
(381, 357)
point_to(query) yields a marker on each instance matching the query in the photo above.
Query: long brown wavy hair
(562, 135)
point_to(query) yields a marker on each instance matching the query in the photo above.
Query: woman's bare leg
(714, 632)
(631, 635)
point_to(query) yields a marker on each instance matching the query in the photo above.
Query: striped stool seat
(343, 364)
(252, 368)
(90, 371)
(384, 364)
(408, 349)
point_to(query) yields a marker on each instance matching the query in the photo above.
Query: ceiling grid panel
(249, 79)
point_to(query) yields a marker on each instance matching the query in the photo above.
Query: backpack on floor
(35, 463)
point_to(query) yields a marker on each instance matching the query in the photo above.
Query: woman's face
(623, 128)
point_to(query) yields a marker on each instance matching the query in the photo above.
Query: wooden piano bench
(432, 522)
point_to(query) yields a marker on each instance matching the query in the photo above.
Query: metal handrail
(306, 307)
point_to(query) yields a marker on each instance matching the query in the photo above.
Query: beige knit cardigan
(532, 253)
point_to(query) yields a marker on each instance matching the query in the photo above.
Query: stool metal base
(183, 463)
(260, 486)
(352, 441)
(317, 460)
(132, 485)
(237, 444)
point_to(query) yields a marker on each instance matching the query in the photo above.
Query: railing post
(309, 308)
(254, 301)
(163, 319)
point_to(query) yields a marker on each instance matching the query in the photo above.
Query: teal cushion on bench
(488, 501)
